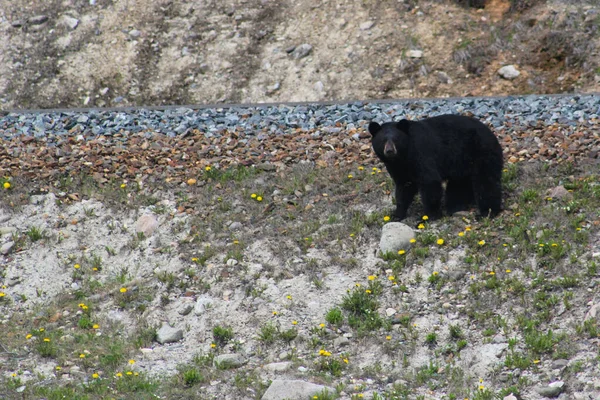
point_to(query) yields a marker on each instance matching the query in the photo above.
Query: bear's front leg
(431, 196)
(405, 193)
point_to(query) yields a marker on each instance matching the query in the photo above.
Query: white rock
(509, 72)
(414, 53)
(390, 311)
(202, 304)
(146, 224)
(168, 334)
(278, 366)
(395, 236)
(7, 247)
(227, 361)
(293, 390)
(69, 21)
(365, 26)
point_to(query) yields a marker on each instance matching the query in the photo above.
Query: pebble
(509, 72)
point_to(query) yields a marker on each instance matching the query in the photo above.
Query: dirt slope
(141, 52)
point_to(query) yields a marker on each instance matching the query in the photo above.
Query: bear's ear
(374, 127)
(403, 125)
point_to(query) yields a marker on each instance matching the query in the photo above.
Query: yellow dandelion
(76, 266)
(288, 297)
(461, 234)
(350, 176)
(374, 169)
(259, 198)
(391, 277)
(123, 290)
(492, 273)
(505, 244)
(42, 329)
(46, 339)
(123, 185)
(29, 335)
(536, 361)
(2, 294)
(119, 375)
(401, 252)
(352, 235)
(357, 284)
(128, 373)
(195, 259)
(481, 387)
(360, 168)
(541, 244)
(131, 362)
(95, 269)
(236, 242)
(212, 345)
(425, 217)
(274, 312)
(294, 322)
(321, 325)
(508, 271)
(421, 226)
(82, 355)
(253, 195)
(517, 214)
(413, 240)
(6, 185)
(434, 273)
(95, 375)
(554, 245)
(386, 218)
(481, 242)
(207, 168)
(58, 368)
(346, 360)
(372, 277)
(440, 241)
(96, 326)
(136, 374)
(367, 291)
(388, 337)
(468, 228)
(578, 229)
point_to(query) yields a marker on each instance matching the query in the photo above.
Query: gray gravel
(509, 113)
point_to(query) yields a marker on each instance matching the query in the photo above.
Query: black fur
(420, 155)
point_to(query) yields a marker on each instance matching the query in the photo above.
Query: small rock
(20, 389)
(390, 311)
(414, 53)
(341, 341)
(168, 334)
(232, 262)
(278, 366)
(395, 236)
(7, 230)
(294, 390)
(301, 51)
(443, 77)
(510, 397)
(234, 226)
(559, 364)
(552, 390)
(185, 309)
(509, 72)
(17, 23)
(228, 361)
(365, 26)
(146, 224)
(266, 166)
(38, 19)
(69, 22)
(7, 247)
(202, 304)
(559, 192)
(134, 33)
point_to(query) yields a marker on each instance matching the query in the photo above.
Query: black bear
(420, 155)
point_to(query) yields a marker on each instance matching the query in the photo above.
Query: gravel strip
(178, 140)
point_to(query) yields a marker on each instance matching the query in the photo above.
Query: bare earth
(142, 52)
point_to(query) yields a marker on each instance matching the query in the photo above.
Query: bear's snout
(389, 150)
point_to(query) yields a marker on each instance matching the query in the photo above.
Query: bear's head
(390, 140)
